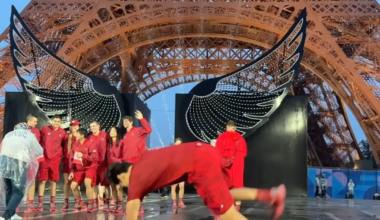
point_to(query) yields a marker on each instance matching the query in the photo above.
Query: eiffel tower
(145, 47)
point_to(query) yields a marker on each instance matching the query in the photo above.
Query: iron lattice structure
(149, 46)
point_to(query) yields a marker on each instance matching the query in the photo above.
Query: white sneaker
(16, 217)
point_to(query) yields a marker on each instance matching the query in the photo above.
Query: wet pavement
(296, 209)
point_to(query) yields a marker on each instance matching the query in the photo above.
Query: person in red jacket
(31, 121)
(68, 144)
(84, 160)
(51, 141)
(200, 164)
(133, 143)
(114, 155)
(233, 149)
(99, 138)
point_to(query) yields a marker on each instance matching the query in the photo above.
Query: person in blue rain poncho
(20, 152)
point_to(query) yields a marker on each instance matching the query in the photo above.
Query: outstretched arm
(133, 208)
(146, 129)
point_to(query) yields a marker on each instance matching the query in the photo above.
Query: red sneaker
(40, 207)
(83, 206)
(101, 202)
(95, 206)
(65, 207)
(52, 207)
(106, 207)
(112, 206)
(279, 196)
(119, 207)
(77, 207)
(30, 208)
(90, 209)
(141, 212)
(181, 205)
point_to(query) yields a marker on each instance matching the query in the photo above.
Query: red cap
(74, 122)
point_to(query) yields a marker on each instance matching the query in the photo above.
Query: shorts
(49, 170)
(89, 173)
(66, 166)
(101, 179)
(211, 180)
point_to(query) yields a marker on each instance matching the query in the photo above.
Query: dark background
(277, 151)
(17, 107)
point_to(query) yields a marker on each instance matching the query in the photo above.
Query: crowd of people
(106, 159)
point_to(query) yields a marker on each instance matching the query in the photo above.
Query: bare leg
(181, 190)
(181, 194)
(75, 189)
(41, 188)
(114, 192)
(89, 189)
(244, 194)
(120, 192)
(95, 192)
(107, 191)
(66, 186)
(174, 194)
(232, 214)
(101, 192)
(41, 191)
(53, 188)
(32, 190)
(53, 191)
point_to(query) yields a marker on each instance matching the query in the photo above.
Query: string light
(248, 106)
(76, 95)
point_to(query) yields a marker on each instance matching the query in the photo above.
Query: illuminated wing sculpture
(77, 95)
(212, 102)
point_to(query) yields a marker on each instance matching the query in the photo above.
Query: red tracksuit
(51, 142)
(231, 143)
(67, 152)
(133, 144)
(114, 154)
(90, 161)
(100, 142)
(36, 133)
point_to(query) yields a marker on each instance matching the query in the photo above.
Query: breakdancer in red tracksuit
(51, 141)
(200, 164)
(84, 160)
(114, 155)
(232, 146)
(99, 138)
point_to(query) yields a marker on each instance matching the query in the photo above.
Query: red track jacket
(133, 143)
(52, 142)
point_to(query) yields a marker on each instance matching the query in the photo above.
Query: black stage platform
(296, 209)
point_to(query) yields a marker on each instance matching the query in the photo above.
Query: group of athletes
(116, 163)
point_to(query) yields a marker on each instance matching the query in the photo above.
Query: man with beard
(51, 141)
(233, 150)
(99, 139)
